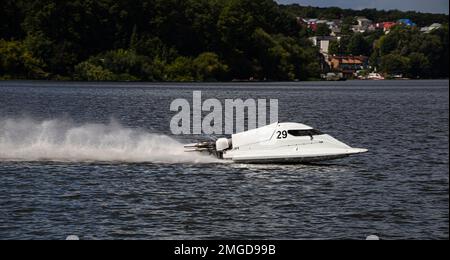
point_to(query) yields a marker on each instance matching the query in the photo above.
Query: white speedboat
(375, 76)
(277, 143)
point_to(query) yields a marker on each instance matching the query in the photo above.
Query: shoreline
(209, 82)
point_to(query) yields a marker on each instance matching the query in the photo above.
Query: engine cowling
(223, 144)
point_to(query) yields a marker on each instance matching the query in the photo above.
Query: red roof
(385, 25)
(388, 25)
(350, 59)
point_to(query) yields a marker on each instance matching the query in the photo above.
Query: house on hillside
(323, 42)
(407, 22)
(312, 24)
(431, 28)
(336, 31)
(335, 27)
(363, 25)
(348, 65)
(385, 26)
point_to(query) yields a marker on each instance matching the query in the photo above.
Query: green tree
(358, 45)
(124, 65)
(419, 65)
(394, 64)
(18, 62)
(209, 67)
(443, 58)
(340, 47)
(423, 52)
(322, 30)
(273, 57)
(282, 58)
(235, 26)
(11, 17)
(89, 72)
(181, 70)
(347, 24)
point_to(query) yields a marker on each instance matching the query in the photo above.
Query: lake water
(98, 161)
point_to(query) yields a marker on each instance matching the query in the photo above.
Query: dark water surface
(94, 160)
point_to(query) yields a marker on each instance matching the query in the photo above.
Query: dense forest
(196, 40)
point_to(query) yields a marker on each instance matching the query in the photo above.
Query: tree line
(179, 40)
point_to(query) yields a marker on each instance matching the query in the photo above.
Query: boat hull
(293, 160)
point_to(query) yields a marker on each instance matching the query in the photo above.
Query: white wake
(62, 140)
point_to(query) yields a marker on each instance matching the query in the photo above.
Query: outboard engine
(216, 148)
(223, 144)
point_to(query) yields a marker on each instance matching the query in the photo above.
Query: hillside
(194, 40)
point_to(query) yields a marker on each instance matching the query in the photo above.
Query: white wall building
(431, 28)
